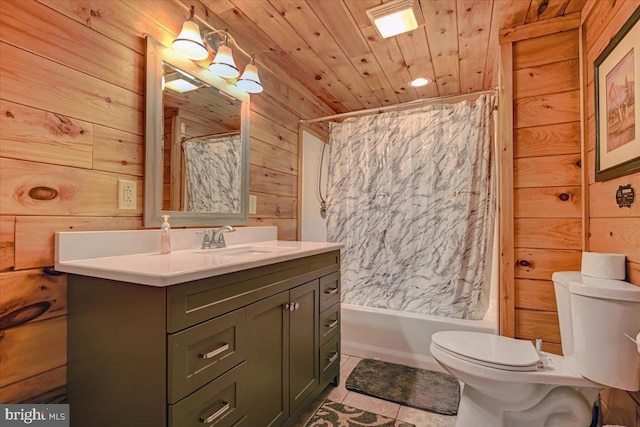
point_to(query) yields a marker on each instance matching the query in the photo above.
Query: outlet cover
(253, 204)
(127, 194)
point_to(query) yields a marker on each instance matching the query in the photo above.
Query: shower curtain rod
(400, 106)
(233, 133)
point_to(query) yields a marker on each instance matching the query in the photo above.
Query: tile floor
(378, 406)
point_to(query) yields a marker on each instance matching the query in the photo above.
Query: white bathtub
(399, 337)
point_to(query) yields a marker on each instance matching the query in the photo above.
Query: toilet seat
(492, 351)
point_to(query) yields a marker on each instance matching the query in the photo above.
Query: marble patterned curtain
(212, 174)
(410, 194)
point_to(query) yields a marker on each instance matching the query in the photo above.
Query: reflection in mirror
(197, 144)
(202, 147)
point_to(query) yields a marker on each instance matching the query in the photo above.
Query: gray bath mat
(419, 388)
(333, 414)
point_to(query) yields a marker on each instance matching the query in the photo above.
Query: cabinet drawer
(221, 403)
(198, 301)
(329, 290)
(330, 360)
(203, 352)
(329, 323)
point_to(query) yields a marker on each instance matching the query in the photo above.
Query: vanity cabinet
(251, 348)
(283, 353)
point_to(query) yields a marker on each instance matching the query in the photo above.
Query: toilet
(507, 382)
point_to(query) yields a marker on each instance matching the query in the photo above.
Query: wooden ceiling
(331, 47)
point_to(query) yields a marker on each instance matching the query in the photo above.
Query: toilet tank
(561, 281)
(603, 311)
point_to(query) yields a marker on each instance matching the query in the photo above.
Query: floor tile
(348, 366)
(372, 404)
(343, 359)
(337, 394)
(424, 418)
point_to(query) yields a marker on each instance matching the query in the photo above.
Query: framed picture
(617, 85)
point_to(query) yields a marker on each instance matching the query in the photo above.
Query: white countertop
(183, 265)
(192, 264)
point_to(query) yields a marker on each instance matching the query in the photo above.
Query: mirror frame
(156, 54)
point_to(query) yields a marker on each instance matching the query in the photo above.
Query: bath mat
(419, 388)
(333, 414)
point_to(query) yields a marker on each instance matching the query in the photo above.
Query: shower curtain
(410, 194)
(212, 175)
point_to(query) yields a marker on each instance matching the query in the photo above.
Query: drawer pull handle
(333, 324)
(287, 307)
(210, 418)
(331, 291)
(332, 358)
(215, 352)
(296, 305)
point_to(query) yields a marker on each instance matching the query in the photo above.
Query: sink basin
(243, 251)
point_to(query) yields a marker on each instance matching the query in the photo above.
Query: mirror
(197, 144)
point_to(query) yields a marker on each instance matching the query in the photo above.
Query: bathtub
(399, 337)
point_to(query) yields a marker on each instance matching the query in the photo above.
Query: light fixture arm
(224, 35)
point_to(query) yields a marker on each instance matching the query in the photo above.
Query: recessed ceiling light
(180, 82)
(420, 81)
(396, 17)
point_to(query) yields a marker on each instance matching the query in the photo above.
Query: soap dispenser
(165, 235)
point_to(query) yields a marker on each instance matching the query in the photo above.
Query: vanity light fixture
(223, 63)
(396, 17)
(250, 81)
(190, 40)
(420, 81)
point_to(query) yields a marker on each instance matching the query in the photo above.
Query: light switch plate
(127, 194)
(253, 204)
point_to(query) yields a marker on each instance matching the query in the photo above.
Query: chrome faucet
(218, 237)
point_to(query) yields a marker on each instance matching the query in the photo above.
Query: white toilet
(509, 383)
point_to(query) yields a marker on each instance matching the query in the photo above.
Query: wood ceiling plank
(535, 29)
(338, 17)
(367, 63)
(389, 56)
(442, 33)
(513, 13)
(574, 6)
(554, 8)
(474, 19)
(368, 67)
(417, 57)
(313, 31)
(218, 6)
(265, 17)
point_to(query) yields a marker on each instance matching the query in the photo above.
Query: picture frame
(617, 99)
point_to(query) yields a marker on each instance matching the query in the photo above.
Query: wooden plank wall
(546, 172)
(71, 124)
(609, 228)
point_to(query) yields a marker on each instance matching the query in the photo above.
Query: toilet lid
(489, 350)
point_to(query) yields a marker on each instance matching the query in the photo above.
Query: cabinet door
(268, 360)
(304, 331)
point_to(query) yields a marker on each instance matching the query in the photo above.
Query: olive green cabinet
(252, 348)
(283, 355)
